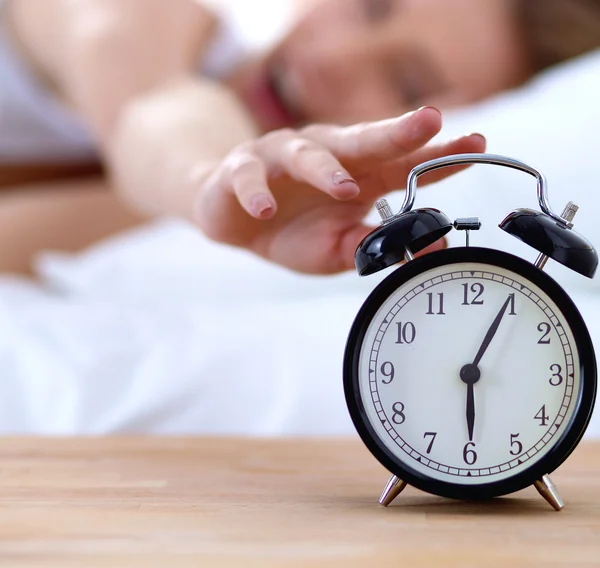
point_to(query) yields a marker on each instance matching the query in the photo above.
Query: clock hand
(470, 373)
(491, 332)
(470, 410)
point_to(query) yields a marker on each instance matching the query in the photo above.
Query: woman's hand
(299, 198)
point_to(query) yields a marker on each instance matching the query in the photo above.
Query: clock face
(469, 372)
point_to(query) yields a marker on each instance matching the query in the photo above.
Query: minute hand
(491, 332)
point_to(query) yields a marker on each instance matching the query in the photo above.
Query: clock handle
(493, 159)
(548, 233)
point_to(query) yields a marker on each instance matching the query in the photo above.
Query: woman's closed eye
(377, 11)
(415, 78)
(408, 91)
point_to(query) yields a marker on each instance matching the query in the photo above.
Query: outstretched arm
(176, 144)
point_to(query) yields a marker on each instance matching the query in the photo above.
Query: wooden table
(156, 502)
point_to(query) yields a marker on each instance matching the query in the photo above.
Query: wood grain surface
(169, 502)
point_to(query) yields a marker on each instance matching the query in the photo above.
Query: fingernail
(431, 108)
(343, 177)
(476, 134)
(417, 130)
(261, 206)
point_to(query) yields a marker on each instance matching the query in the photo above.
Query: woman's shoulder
(37, 127)
(34, 125)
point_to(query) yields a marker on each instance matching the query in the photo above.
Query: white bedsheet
(159, 330)
(163, 331)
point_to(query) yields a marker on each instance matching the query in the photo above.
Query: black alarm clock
(469, 372)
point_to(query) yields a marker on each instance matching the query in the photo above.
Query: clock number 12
(477, 289)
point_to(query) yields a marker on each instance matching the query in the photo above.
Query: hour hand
(469, 375)
(470, 410)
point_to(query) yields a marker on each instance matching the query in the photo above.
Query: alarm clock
(469, 372)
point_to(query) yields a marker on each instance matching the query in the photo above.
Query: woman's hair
(556, 30)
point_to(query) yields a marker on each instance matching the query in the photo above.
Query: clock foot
(547, 490)
(393, 488)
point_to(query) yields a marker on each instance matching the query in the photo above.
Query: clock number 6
(469, 455)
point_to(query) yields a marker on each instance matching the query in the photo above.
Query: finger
(248, 181)
(384, 140)
(309, 162)
(394, 175)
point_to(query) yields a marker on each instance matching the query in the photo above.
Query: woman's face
(353, 60)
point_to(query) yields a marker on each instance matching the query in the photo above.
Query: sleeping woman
(283, 153)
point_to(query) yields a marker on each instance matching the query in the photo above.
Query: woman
(221, 152)
(166, 338)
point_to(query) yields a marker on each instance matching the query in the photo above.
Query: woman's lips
(266, 104)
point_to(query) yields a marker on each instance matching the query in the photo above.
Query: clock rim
(561, 449)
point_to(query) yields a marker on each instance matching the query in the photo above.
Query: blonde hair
(557, 30)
